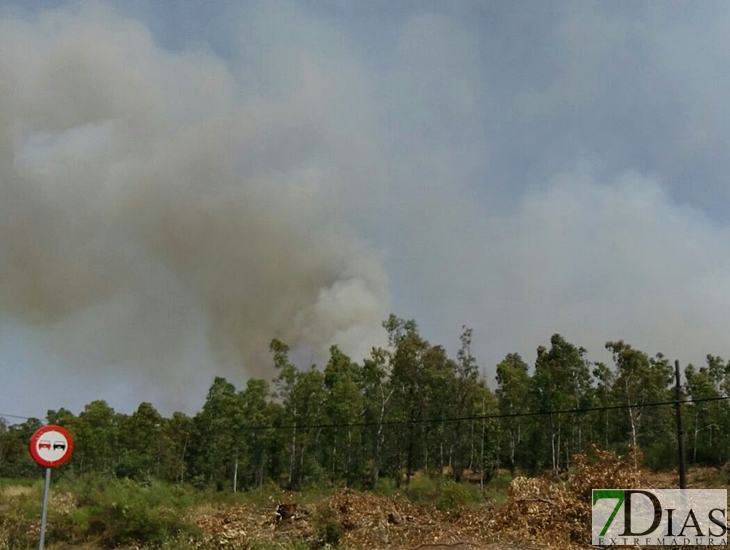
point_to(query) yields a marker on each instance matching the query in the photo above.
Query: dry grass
(14, 491)
(537, 513)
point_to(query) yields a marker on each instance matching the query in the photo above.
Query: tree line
(407, 407)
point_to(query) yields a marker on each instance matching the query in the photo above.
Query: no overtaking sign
(51, 446)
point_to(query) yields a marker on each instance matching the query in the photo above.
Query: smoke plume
(146, 194)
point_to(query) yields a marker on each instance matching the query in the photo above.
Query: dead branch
(459, 545)
(537, 499)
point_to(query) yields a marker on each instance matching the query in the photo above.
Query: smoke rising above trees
(178, 187)
(141, 188)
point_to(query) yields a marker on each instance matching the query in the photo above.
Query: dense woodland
(408, 407)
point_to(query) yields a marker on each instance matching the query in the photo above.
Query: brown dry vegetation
(539, 513)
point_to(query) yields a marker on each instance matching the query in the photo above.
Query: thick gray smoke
(144, 196)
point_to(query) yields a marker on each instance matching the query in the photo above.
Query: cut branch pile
(540, 512)
(558, 514)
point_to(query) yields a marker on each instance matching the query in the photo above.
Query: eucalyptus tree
(96, 441)
(377, 391)
(344, 405)
(178, 433)
(709, 415)
(141, 444)
(408, 377)
(513, 392)
(602, 428)
(306, 408)
(641, 380)
(561, 382)
(217, 441)
(469, 398)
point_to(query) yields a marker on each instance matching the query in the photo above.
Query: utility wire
(480, 416)
(461, 418)
(6, 415)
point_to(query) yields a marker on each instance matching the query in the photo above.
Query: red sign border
(34, 448)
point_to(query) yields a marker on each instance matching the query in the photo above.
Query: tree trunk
(379, 436)
(349, 456)
(301, 465)
(457, 460)
(481, 453)
(334, 454)
(552, 445)
(292, 458)
(441, 459)
(182, 459)
(560, 441)
(375, 474)
(632, 419)
(409, 462)
(471, 454)
(512, 466)
(235, 474)
(260, 472)
(697, 429)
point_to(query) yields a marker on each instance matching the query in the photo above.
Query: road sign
(51, 446)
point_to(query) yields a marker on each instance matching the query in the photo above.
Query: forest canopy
(405, 408)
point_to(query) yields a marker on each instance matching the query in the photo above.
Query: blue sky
(182, 181)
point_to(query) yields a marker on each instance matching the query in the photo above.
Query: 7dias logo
(659, 517)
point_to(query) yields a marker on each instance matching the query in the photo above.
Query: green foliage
(496, 491)
(123, 512)
(330, 533)
(455, 495)
(18, 482)
(19, 522)
(295, 544)
(444, 495)
(386, 486)
(409, 407)
(660, 455)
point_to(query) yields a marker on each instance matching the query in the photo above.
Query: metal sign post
(50, 446)
(44, 514)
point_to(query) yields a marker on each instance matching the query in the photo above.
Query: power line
(459, 418)
(482, 416)
(6, 415)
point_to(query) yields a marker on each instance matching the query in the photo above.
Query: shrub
(17, 530)
(445, 495)
(124, 512)
(330, 533)
(454, 495)
(386, 486)
(660, 456)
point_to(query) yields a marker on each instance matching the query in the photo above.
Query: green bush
(660, 456)
(423, 490)
(17, 530)
(386, 486)
(445, 495)
(330, 533)
(454, 495)
(124, 512)
(20, 482)
(295, 544)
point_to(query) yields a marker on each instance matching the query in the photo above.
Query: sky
(181, 182)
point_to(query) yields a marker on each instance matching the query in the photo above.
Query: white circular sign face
(52, 446)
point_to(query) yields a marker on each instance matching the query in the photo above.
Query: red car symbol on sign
(44, 445)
